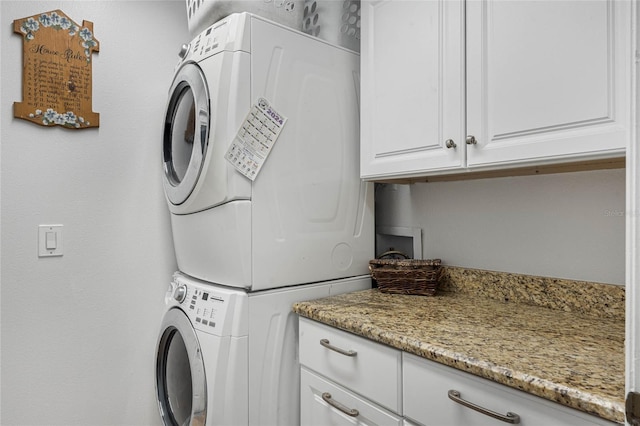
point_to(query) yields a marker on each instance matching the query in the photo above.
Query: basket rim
(407, 262)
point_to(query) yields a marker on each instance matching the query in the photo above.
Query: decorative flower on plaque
(57, 71)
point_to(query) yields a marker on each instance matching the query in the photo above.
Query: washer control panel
(206, 309)
(211, 309)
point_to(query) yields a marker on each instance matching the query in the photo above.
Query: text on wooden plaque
(56, 71)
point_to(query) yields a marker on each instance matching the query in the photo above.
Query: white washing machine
(228, 357)
(305, 216)
(202, 355)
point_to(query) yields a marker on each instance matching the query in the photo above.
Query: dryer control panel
(230, 34)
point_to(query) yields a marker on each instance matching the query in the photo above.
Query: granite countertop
(570, 352)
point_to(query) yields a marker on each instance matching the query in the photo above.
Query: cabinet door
(426, 385)
(370, 369)
(412, 98)
(547, 80)
(324, 403)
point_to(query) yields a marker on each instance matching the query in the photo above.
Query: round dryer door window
(180, 376)
(186, 133)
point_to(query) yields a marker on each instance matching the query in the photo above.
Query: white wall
(569, 225)
(79, 331)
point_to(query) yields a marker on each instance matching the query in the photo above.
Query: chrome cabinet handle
(510, 417)
(449, 143)
(471, 140)
(326, 396)
(326, 344)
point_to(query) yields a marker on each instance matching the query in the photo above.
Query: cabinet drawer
(318, 395)
(426, 400)
(372, 370)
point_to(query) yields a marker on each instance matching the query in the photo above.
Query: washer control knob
(183, 51)
(180, 293)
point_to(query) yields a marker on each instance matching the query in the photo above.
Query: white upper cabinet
(547, 80)
(533, 82)
(412, 65)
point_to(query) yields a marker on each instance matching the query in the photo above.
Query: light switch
(49, 240)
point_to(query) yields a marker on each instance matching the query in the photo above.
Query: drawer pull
(513, 418)
(326, 344)
(326, 396)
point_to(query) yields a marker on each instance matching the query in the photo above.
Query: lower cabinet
(350, 380)
(361, 365)
(347, 379)
(435, 394)
(324, 403)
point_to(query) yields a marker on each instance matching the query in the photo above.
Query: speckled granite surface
(594, 299)
(570, 351)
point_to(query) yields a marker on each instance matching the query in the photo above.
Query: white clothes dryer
(306, 216)
(228, 357)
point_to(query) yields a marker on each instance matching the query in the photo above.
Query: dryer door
(186, 132)
(180, 377)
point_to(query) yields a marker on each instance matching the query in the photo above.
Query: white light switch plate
(49, 240)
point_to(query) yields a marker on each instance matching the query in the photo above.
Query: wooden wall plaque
(56, 71)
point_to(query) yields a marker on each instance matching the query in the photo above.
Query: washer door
(186, 132)
(180, 377)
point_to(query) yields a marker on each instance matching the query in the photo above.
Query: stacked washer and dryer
(248, 248)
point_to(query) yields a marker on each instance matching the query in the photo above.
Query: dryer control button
(180, 293)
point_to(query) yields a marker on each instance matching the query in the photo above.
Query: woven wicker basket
(406, 276)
